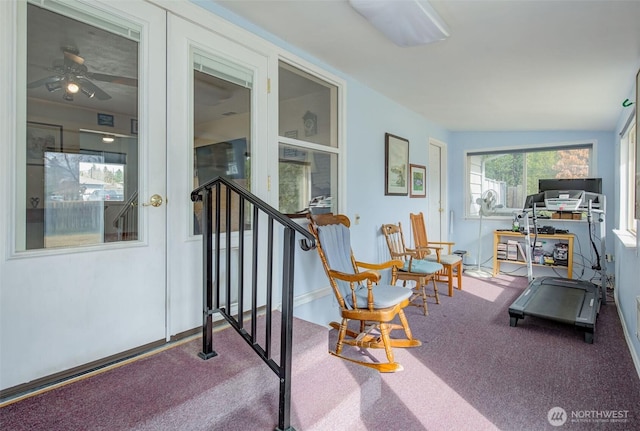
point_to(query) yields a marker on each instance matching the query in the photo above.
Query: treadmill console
(564, 200)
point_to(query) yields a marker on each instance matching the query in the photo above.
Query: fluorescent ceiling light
(104, 133)
(404, 22)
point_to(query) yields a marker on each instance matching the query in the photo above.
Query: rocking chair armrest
(378, 266)
(372, 276)
(449, 244)
(411, 253)
(424, 250)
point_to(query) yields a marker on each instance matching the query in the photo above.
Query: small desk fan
(488, 205)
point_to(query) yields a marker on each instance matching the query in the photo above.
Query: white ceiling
(508, 66)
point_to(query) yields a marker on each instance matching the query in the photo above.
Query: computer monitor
(591, 185)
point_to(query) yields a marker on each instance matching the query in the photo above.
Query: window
(80, 175)
(308, 149)
(514, 174)
(627, 178)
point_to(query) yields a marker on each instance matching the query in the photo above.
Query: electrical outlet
(609, 257)
(356, 219)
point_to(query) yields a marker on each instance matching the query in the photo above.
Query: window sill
(627, 239)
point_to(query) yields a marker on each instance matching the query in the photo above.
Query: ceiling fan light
(72, 87)
(405, 23)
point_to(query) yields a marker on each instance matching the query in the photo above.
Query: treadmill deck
(575, 302)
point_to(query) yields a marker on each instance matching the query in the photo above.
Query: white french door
(217, 104)
(77, 289)
(72, 290)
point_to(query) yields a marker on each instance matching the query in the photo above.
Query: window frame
(322, 76)
(628, 163)
(507, 213)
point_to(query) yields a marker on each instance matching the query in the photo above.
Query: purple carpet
(473, 372)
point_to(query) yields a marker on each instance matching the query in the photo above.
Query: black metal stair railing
(225, 201)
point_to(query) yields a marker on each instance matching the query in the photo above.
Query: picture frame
(396, 165)
(418, 181)
(42, 137)
(134, 126)
(106, 120)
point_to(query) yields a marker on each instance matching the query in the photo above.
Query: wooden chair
(438, 251)
(420, 271)
(359, 295)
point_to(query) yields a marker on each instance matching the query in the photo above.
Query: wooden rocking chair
(434, 251)
(420, 271)
(359, 295)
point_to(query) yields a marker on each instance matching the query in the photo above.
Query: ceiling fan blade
(90, 88)
(133, 82)
(74, 57)
(44, 81)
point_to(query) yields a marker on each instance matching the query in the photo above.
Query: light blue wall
(370, 115)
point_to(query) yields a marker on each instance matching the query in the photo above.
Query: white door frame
(437, 218)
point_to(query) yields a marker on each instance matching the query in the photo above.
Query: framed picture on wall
(396, 165)
(42, 137)
(418, 181)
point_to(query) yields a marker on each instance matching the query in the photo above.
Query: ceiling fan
(73, 76)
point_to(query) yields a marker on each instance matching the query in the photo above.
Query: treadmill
(574, 302)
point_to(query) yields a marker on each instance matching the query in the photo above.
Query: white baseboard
(627, 336)
(312, 296)
(305, 298)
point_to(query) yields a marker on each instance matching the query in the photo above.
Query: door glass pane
(81, 149)
(221, 128)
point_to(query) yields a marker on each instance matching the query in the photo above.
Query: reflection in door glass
(81, 149)
(222, 131)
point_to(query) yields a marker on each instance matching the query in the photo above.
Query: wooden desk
(566, 238)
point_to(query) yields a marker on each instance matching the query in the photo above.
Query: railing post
(207, 280)
(286, 336)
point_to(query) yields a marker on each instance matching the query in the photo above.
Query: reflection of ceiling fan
(72, 76)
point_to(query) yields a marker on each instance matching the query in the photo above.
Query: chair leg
(384, 334)
(405, 324)
(423, 292)
(423, 285)
(450, 280)
(341, 334)
(459, 270)
(435, 290)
